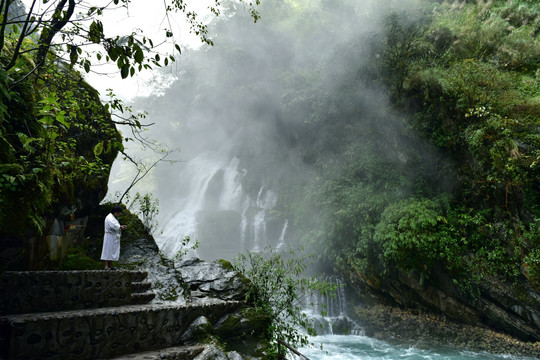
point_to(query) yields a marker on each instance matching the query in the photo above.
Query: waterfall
(191, 198)
(211, 206)
(281, 240)
(328, 314)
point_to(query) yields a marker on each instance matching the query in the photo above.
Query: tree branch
(13, 84)
(22, 35)
(5, 3)
(58, 23)
(128, 123)
(138, 177)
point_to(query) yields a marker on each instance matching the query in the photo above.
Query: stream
(357, 347)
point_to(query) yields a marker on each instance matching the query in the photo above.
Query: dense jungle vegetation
(453, 181)
(57, 142)
(408, 144)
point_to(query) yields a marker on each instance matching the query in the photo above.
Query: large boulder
(214, 279)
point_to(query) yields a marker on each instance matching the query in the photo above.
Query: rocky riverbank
(427, 330)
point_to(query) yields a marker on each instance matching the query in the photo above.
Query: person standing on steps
(111, 239)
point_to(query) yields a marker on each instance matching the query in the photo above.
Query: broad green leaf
(61, 118)
(96, 32)
(113, 52)
(124, 71)
(139, 55)
(98, 149)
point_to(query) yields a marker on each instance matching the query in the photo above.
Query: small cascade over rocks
(328, 313)
(257, 238)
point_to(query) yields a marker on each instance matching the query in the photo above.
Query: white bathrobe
(111, 240)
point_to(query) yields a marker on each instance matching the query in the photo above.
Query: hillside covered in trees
(448, 205)
(467, 81)
(438, 208)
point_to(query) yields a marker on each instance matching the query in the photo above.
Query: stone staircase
(95, 315)
(49, 291)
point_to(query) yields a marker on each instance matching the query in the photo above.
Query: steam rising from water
(239, 112)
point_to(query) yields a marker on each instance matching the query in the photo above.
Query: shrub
(410, 236)
(277, 288)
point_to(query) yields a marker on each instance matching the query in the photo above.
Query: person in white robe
(111, 240)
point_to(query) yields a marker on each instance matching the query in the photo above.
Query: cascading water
(213, 208)
(195, 185)
(281, 240)
(327, 313)
(212, 205)
(266, 200)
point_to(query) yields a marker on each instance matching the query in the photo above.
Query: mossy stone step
(104, 332)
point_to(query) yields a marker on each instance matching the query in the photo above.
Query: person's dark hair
(115, 209)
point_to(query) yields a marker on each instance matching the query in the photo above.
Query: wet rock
(143, 254)
(241, 323)
(233, 355)
(212, 352)
(426, 330)
(512, 308)
(197, 330)
(215, 279)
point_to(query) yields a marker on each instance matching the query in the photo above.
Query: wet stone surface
(424, 329)
(105, 332)
(214, 279)
(38, 291)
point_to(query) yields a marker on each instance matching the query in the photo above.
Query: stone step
(142, 298)
(39, 291)
(102, 333)
(140, 287)
(137, 275)
(172, 353)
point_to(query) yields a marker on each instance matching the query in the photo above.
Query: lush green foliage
(277, 288)
(146, 207)
(464, 196)
(78, 259)
(470, 86)
(486, 75)
(409, 234)
(57, 141)
(48, 30)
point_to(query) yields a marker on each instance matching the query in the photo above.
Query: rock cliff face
(513, 309)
